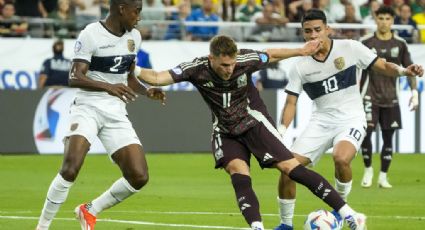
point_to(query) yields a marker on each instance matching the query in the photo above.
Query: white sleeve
(365, 57)
(84, 46)
(294, 85)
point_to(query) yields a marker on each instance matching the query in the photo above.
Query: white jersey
(333, 84)
(109, 57)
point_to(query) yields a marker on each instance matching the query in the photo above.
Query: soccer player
(105, 52)
(380, 94)
(330, 78)
(242, 125)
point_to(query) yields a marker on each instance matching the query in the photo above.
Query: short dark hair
(223, 45)
(385, 10)
(314, 14)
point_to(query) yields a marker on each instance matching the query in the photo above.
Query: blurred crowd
(259, 20)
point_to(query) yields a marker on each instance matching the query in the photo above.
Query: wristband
(137, 71)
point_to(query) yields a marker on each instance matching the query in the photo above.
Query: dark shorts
(261, 140)
(388, 117)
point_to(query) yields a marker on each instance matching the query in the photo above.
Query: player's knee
(341, 160)
(138, 180)
(69, 173)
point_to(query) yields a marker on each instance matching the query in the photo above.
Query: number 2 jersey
(333, 84)
(235, 103)
(109, 57)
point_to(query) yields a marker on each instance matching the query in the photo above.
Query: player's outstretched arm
(78, 79)
(153, 77)
(288, 113)
(278, 54)
(152, 92)
(394, 70)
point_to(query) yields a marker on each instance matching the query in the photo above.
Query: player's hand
(311, 47)
(414, 100)
(414, 70)
(123, 92)
(281, 129)
(156, 94)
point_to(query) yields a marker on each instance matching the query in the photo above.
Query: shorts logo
(267, 157)
(218, 154)
(131, 46)
(339, 63)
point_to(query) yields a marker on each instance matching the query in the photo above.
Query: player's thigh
(390, 118)
(118, 133)
(226, 149)
(266, 144)
(314, 141)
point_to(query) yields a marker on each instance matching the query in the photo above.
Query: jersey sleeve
(405, 58)
(255, 59)
(365, 57)
(185, 71)
(45, 67)
(294, 86)
(84, 47)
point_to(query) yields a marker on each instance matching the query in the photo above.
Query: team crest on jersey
(77, 46)
(395, 51)
(131, 46)
(242, 81)
(339, 63)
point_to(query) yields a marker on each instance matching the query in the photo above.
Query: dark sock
(367, 149)
(246, 198)
(387, 150)
(318, 185)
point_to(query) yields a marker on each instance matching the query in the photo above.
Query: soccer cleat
(284, 227)
(383, 182)
(367, 177)
(87, 220)
(339, 220)
(356, 222)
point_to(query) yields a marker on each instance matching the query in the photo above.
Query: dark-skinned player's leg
(76, 148)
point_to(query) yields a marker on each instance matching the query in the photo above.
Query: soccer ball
(321, 220)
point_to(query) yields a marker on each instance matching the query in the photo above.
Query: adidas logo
(245, 206)
(394, 125)
(267, 157)
(326, 193)
(208, 84)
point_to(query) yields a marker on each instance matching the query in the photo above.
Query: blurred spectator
(370, 18)
(350, 17)
(64, 24)
(204, 14)
(153, 10)
(278, 7)
(246, 11)
(50, 6)
(418, 6)
(104, 8)
(30, 8)
(420, 20)
(324, 6)
(87, 11)
(177, 31)
(298, 8)
(405, 18)
(55, 70)
(338, 10)
(143, 59)
(10, 24)
(228, 10)
(272, 77)
(270, 26)
(396, 4)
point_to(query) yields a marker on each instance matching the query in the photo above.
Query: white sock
(118, 192)
(256, 225)
(346, 211)
(56, 195)
(286, 210)
(343, 189)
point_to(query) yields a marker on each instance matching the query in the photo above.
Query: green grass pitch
(185, 192)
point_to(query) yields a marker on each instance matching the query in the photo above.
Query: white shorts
(113, 129)
(318, 137)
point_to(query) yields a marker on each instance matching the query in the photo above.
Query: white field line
(207, 213)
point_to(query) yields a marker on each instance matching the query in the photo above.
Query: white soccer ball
(321, 220)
